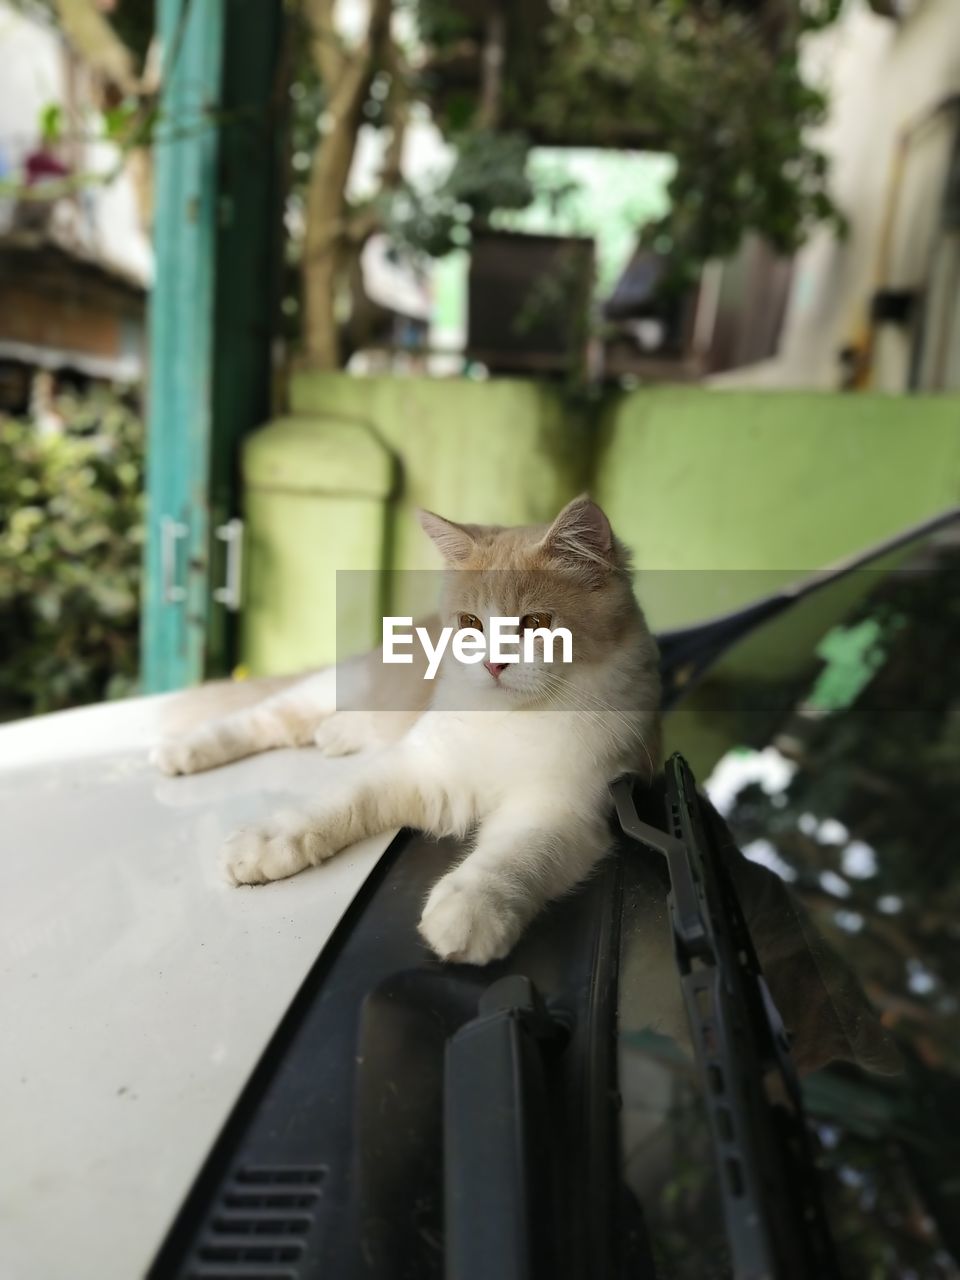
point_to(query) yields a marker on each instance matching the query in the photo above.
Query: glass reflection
(836, 766)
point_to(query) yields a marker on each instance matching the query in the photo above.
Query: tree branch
(325, 43)
(327, 223)
(95, 40)
(397, 109)
(491, 67)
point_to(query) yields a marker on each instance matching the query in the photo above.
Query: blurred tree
(347, 74)
(721, 87)
(717, 84)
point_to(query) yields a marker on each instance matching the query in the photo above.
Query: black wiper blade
(773, 1213)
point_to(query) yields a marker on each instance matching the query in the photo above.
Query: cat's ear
(455, 542)
(581, 533)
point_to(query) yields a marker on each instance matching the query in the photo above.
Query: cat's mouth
(511, 679)
(520, 685)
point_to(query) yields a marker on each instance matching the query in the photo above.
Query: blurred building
(67, 316)
(881, 308)
(731, 319)
(75, 256)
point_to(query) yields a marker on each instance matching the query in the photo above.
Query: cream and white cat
(518, 756)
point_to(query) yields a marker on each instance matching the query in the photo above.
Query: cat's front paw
(347, 732)
(191, 754)
(469, 921)
(281, 847)
(343, 734)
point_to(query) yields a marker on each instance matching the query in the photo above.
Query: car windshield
(829, 739)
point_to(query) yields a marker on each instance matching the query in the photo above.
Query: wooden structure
(67, 313)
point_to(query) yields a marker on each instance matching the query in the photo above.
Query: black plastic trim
(352, 1086)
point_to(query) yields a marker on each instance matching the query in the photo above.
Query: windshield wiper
(773, 1213)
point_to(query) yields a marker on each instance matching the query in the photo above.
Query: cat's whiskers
(578, 707)
(606, 708)
(580, 711)
(562, 708)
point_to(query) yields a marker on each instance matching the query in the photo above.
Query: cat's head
(571, 574)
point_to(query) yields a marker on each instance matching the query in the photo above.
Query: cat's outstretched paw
(468, 921)
(344, 734)
(351, 731)
(190, 754)
(286, 844)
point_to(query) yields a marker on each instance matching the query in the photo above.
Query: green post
(217, 240)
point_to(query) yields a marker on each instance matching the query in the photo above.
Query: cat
(519, 755)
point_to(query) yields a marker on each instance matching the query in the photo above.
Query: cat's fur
(522, 760)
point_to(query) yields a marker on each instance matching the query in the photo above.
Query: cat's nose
(495, 668)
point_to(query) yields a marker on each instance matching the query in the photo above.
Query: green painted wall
(742, 492)
(722, 496)
(317, 500)
(496, 450)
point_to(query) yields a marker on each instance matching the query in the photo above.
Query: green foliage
(71, 512)
(718, 89)
(488, 175)
(439, 22)
(128, 121)
(814, 15)
(51, 122)
(717, 85)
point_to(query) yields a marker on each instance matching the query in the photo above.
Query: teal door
(217, 236)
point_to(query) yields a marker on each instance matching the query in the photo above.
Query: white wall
(882, 77)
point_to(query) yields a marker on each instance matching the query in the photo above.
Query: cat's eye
(469, 620)
(534, 621)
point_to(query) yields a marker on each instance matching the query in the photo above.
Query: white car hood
(138, 989)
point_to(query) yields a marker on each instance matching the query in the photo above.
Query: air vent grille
(259, 1228)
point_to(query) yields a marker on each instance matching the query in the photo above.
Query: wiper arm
(768, 1186)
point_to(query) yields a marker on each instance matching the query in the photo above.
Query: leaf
(51, 122)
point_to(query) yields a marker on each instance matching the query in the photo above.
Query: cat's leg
(379, 701)
(346, 733)
(527, 852)
(389, 790)
(339, 708)
(288, 719)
